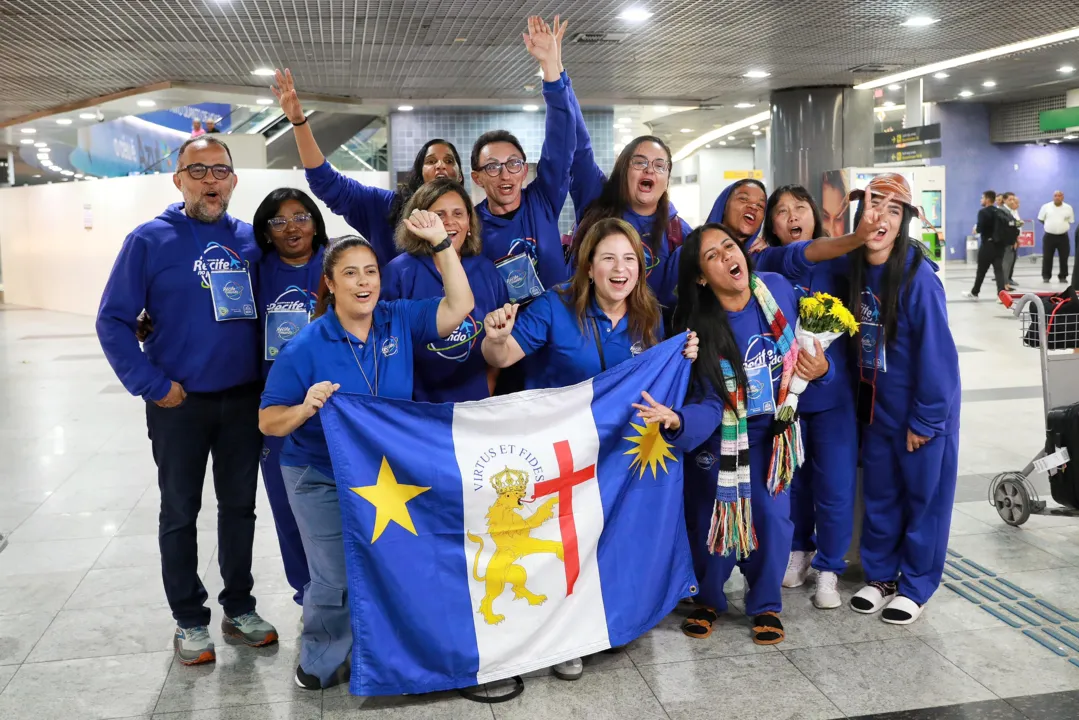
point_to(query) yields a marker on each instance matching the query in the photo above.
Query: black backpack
(1061, 320)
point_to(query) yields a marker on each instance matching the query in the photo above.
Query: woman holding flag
(360, 345)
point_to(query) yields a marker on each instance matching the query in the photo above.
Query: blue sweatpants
(908, 509)
(765, 566)
(822, 494)
(288, 535)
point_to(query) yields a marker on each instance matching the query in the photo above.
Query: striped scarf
(732, 517)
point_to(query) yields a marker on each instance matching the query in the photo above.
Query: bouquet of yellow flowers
(825, 318)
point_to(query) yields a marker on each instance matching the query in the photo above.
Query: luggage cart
(1012, 493)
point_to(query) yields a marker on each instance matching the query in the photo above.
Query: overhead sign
(916, 152)
(1063, 119)
(905, 136)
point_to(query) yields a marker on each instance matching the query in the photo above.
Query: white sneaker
(826, 594)
(797, 569)
(569, 670)
(969, 294)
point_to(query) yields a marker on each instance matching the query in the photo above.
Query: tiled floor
(85, 633)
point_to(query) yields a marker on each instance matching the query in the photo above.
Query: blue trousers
(288, 535)
(908, 510)
(765, 566)
(822, 494)
(327, 631)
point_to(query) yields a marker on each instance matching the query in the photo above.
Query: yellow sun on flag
(650, 449)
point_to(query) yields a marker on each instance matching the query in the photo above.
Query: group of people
(248, 329)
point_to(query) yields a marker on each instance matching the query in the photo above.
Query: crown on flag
(510, 481)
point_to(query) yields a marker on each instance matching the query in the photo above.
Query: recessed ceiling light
(708, 147)
(146, 103)
(38, 144)
(1056, 142)
(889, 104)
(264, 101)
(627, 121)
(634, 15)
(35, 176)
(753, 145)
(722, 142)
(530, 108)
(940, 75)
(757, 74)
(754, 127)
(42, 156)
(263, 72)
(687, 130)
(63, 121)
(27, 141)
(965, 93)
(28, 131)
(756, 132)
(730, 137)
(67, 173)
(919, 21)
(87, 116)
(744, 105)
(406, 108)
(1065, 69)
(1070, 137)
(894, 86)
(660, 108)
(989, 83)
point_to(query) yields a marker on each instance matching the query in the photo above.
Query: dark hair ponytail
(699, 309)
(330, 258)
(897, 275)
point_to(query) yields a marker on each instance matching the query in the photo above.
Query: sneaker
(797, 569)
(826, 594)
(569, 670)
(873, 597)
(249, 628)
(970, 295)
(194, 646)
(309, 682)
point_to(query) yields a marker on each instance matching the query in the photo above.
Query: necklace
(373, 390)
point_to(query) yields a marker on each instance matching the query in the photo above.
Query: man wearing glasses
(523, 222)
(199, 374)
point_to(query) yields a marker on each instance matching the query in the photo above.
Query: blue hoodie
(719, 209)
(533, 230)
(364, 208)
(586, 183)
(917, 384)
(163, 267)
(286, 287)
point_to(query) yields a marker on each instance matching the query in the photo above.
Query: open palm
(285, 92)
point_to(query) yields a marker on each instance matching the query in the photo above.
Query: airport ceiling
(60, 54)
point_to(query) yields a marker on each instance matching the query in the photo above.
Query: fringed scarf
(732, 518)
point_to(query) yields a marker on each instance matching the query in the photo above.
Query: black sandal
(699, 623)
(768, 629)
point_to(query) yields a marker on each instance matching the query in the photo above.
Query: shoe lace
(827, 581)
(197, 634)
(247, 618)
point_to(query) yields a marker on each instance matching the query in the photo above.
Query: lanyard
(599, 345)
(373, 390)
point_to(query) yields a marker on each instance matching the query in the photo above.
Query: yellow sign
(743, 174)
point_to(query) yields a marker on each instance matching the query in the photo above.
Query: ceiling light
(264, 101)
(28, 131)
(708, 147)
(42, 156)
(530, 108)
(35, 176)
(405, 108)
(626, 121)
(894, 86)
(730, 137)
(888, 104)
(660, 108)
(754, 127)
(1055, 142)
(693, 145)
(27, 141)
(39, 144)
(940, 75)
(87, 116)
(753, 145)
(63, 121)
(78, 176)
(756, 132)
(965, 93)
(634, 15)
(756, 74)
(146, 103)
(1054, 39)
(1065, 69)
(919, 21)
(722, 142)
(989, 84)
(743, 105)
(687, 130)
(67, 173)
(1070, 137)
(263, 72)
(42, 148)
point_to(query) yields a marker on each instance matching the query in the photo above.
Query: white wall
(713, 164)
(52, 261)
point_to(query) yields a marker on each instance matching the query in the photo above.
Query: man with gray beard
(199, 375)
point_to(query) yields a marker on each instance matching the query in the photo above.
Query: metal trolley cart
(1012, 493)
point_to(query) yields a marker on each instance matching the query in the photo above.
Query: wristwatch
(447, 243)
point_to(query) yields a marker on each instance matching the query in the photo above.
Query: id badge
(871, 354)
(232, 295)
(519, 274)
(282, 326)
(760, 392)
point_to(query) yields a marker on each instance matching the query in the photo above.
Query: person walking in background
(991, 251)
(211, 127)
(196, 128)
(1008, 227)
(1057, 218)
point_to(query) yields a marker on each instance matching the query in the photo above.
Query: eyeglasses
(197, 171)
(279, 223)
(640, 162)
(514, 165)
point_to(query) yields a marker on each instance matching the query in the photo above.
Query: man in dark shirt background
(1009, 225)
(991, 251)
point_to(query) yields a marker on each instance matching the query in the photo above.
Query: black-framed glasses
(198, 171)
(494, 168)
(659, 165)
(280, 223)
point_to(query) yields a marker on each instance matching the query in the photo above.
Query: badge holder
(232, 295)
(519, 274)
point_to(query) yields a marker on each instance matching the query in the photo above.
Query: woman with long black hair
(744, 457)
(908, 403)
(373, 212)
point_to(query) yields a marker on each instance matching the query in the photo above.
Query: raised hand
(317, 395)
(653, 413)
(425, 225)
(873, 218)
(285, 92)
(499, 323)
(545, 44)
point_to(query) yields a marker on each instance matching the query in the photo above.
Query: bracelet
(300, 123)
(447, 243)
